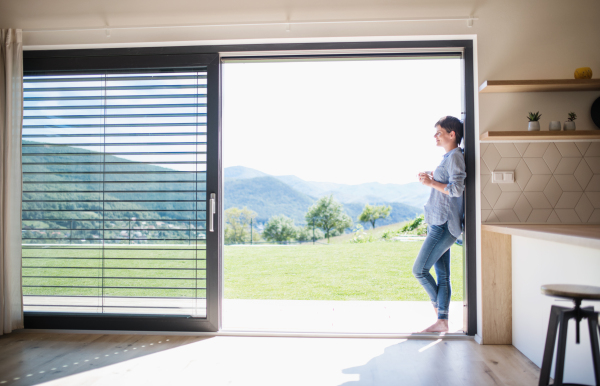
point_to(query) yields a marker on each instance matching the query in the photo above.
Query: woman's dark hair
(451, 124)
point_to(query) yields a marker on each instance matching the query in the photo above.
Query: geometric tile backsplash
(555, 183)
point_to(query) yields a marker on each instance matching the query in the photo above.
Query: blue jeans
(436, 252)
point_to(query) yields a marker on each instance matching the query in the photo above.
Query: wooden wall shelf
(540, 85)
(577, 135)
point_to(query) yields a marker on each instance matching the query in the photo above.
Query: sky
(62, 116)
(347, 122)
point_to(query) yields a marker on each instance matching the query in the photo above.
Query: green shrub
(413, 224)
(360, 236)
(418, 226)
(390, 234)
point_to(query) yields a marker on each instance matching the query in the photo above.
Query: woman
(444, 215)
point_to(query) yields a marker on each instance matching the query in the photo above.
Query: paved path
(334, 316)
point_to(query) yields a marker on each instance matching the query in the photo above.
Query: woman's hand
(426, 178)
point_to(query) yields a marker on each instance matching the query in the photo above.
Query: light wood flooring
(87, 359)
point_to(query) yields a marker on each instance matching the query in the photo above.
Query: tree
(328, 214)
(280, 229)
(372, 213)
(237, 224)
(307, 234)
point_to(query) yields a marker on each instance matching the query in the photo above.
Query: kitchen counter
(516, 260)
(581, 235)
(502, 248)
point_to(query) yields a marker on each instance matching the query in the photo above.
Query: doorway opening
(322, 208)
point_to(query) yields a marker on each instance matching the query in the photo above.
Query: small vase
(554, 126)
(569, 125)
(583, 73)
(534, 126)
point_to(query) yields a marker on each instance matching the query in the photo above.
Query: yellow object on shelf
(583, 73)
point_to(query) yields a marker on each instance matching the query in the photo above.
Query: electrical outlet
(503, 177)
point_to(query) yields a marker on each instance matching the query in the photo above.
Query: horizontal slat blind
(114, 193)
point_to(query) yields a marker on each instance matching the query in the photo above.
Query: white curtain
(11, 185)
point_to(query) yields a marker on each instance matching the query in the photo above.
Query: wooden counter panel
(496, 288)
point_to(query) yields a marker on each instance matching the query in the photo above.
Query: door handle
(212, 208)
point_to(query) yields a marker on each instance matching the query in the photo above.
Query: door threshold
(363, 335)
(272, 334)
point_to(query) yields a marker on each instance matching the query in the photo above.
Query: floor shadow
(421, 363)
(32, 358)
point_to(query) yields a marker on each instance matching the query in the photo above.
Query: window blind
(114, 193)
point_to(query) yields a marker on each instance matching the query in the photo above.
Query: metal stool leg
(555, 313)
(593, 325)
(562, 346)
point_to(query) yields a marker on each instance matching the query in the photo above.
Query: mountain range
(290, 195)
(47, 165)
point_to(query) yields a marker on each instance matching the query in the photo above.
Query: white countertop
(582, 235)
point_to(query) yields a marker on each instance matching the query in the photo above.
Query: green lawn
(147, 270)
(369, 271)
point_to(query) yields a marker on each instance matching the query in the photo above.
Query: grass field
(343, 271)
(369, 271)
(122, 270)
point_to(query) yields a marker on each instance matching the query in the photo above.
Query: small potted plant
(534, 121)
(570, 123)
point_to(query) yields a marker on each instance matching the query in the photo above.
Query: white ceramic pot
(534, 126)
(554, 126)
(569, 125)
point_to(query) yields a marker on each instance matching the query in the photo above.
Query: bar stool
(559, 319)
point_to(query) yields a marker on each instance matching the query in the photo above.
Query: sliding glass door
(121, 161)
(117, 225)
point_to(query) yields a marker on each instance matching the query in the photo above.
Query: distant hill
(413, 194)
(242, 173)
(267, 196)
(244, 187)
(82, 200)
(310, 188)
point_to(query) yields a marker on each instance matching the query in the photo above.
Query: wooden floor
(85, 360)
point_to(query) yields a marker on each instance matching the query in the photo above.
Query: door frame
(73, 60)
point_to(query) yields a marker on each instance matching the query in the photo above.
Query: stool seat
(571, 291)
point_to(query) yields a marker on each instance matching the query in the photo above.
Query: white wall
(515, 39)
(538, 262)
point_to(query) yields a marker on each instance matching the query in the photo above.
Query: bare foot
(435, 311)
(440, 326)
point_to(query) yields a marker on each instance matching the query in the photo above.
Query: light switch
(503, 177)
